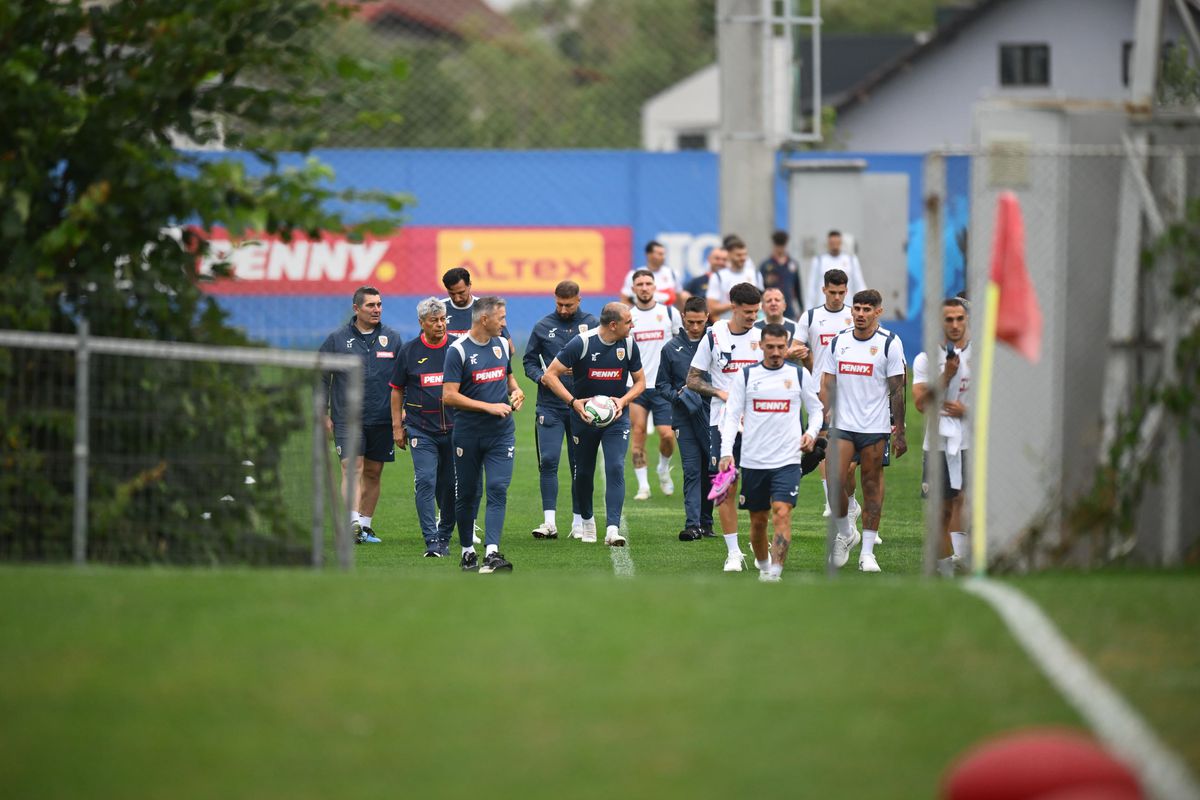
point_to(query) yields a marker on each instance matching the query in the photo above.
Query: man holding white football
(601, 362)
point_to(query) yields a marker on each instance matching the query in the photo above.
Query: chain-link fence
(535, 74)
(117, 450)
(1067, 440)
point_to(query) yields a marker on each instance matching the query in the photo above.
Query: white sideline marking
(1116, 722)
(622, 561)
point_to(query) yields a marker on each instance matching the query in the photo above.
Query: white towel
(951, 429)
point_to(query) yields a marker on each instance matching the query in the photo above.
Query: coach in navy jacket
(690, 417)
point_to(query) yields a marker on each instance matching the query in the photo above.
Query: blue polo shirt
(458, 320)
(418, 373)
(549, 337)
(599, 367)
(481, 372)
(377, 351)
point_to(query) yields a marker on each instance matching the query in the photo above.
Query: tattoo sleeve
(696, 382)
(896, 387)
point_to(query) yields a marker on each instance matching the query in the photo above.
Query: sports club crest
(620, 353)
(874, 349)
(414, 442)
(583, 326)
(541, 419)
(658, 317)
(849, 320)
(787, 383)
(383, 340)
(754, 345)
(458, 451)
(496, 349)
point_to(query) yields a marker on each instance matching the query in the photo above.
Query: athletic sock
(612, 530)
(731, 542)
(843, 527)
(470, 549)
(577, 520)
(664, 465)
(853, 507)
(643, 477)
(868, 543)
(825, 490)
(492, 548)
(364, 520)
(763, 565)
(353, 517)
(776, 569)
(960, 542)
(548, 517)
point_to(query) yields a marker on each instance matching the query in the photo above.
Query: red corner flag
(1018, 318)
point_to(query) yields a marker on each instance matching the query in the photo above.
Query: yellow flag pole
(982, 378)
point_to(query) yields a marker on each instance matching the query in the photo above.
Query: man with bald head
(601, 361)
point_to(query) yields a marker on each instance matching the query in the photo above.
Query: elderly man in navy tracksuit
(376, 344)
(690, 417)
(549, 336)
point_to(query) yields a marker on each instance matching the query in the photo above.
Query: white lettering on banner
(772, 406)
(826, 338)
(738, 366)
(646, 336)
(604, 374)
(287, 262)
(327, 262)
(431, 379)
(297, 261)
(366, 256)
(688, 253)
(488, 375)
(855, 368)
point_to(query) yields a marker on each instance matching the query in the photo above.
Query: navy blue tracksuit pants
(697, 477)
(588, 441)
(552, 425)
(433, 479)
(489, 457)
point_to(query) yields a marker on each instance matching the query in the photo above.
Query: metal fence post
(935, 193)
(318, 497)
(833, 474)
(79, 517)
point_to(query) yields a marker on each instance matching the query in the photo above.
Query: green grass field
(406, 677)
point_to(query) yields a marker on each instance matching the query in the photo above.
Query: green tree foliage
(101, 101)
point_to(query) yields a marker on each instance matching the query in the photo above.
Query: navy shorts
(947, 492)
(375, 442)
(862, 441)
(714, 448)
(657, 403)
(761, 487)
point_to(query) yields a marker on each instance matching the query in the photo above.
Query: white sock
(613, 530)
(763, 565)
(548, 517)
(852, 507)
(825, 489)
(843, 527)
(960, 542)
(664, 465)
(364, 520)
(577, 520)
(492, 548)
(470, 549)
(353, 517)
(643, 479)
(731, 542)
(776, 569)
(868, 543)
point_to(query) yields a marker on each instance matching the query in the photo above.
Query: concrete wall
(929, 105)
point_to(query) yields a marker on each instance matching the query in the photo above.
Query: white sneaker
(735, 562)
(666, 484)
(576, 533)
(589, 532)
(853, 513)
(842, 548)
(614, 538)
(768, 577)
(643, 493)
(867, 563)
(945, 566)
(878, 539)
(545, 531)
(826, 512)
(475, 536)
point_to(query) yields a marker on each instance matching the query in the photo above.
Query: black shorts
(658, 403)
(861, 441)
(761, 487)
(947, 492)
(375, 442)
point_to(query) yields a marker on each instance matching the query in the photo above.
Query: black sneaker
(494, 562)
(367, 536)
(691, 534)
(433, 551)
(443, 548)
(470, 562)
(707, 532)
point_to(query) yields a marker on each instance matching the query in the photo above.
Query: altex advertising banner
(502, 260)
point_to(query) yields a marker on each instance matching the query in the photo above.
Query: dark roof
(943, 36)
(848, 58)
(459, 18)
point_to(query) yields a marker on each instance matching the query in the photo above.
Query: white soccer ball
(601, 410)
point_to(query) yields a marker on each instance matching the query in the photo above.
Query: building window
(1024, 65)
(691, 141)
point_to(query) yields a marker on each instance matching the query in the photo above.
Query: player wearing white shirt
(726, 349)
(740, 270)
(816, 328)
(867, 364)
(954, 371)
(835, 258)
(666, 283)
(654, 324)
(767, 401)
